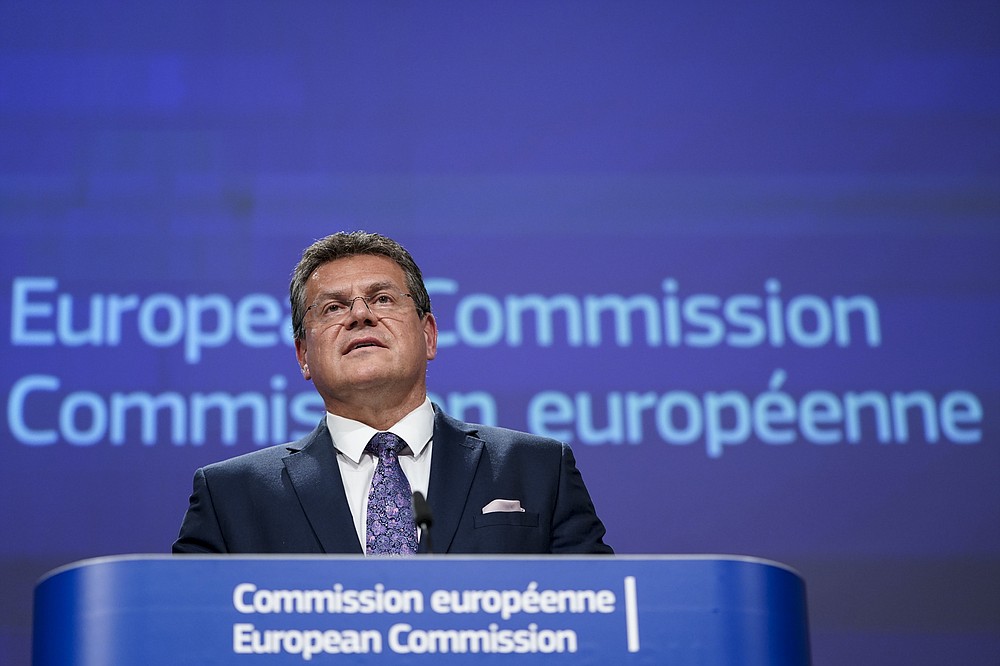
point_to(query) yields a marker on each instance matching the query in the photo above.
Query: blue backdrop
(744, 258)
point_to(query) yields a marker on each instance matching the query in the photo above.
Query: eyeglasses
(336, 311)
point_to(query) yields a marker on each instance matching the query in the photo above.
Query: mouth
(363, 343)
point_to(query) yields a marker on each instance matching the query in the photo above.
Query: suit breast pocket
(512, 518)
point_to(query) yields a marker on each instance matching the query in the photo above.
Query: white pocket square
(502, 505)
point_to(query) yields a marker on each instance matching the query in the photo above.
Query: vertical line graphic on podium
(631, 614)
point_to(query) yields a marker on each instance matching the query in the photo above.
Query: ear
(431, 335)
(300, 355)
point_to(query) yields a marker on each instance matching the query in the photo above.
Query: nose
(357, 315)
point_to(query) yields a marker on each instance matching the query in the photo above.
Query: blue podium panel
(152, 610)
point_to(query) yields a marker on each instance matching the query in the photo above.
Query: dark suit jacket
(290, 498)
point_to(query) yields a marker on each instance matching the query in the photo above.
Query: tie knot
(386, 443)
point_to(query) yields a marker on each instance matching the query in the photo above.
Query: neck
(378, 411)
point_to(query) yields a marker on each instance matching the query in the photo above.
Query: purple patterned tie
(390, 526)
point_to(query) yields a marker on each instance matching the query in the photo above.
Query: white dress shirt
(357, 467)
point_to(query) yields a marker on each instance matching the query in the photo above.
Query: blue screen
(744, 259)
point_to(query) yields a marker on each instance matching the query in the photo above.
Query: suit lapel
(315, 476)
(453, 466)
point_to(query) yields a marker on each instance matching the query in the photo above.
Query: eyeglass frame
(348, 305)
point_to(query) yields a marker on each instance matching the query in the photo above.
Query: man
(364, 333)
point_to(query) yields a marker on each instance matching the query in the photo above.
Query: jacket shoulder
(262, 459)
(499, 437)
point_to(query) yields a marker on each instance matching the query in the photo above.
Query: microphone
(422, 516)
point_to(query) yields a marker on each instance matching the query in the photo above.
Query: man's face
(364, 351)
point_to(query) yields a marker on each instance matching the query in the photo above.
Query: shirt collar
(350, 437)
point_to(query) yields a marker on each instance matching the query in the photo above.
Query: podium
(152, 610)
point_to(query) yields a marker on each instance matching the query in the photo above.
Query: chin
(369, 377)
